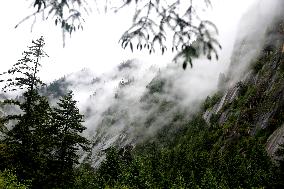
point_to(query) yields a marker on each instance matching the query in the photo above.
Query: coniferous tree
(26, 140)
(24, 73)
(42, 143)
(68, 122)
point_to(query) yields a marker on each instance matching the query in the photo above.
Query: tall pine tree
(41, 143)
(26, 140)
(68, 122)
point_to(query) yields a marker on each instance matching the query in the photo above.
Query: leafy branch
(154, 22)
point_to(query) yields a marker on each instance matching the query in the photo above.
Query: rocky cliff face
(254, 105)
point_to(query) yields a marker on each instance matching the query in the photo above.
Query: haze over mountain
(135, 100)
(219, 124)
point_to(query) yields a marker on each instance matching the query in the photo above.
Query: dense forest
(231, 139)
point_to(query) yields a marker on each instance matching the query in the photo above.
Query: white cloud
(97, 46)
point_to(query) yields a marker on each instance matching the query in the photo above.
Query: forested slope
(142, 131)
(234, 141)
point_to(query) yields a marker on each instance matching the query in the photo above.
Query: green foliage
(280, 160)
(56, 89)
(68, 123)
(152, 21)
(23, 74)
(42, 143)
(29, 143)
(260, 62)
(151, 30)
(257, 66)
(8, 180)
(211, 101)
(200, 156)
(84, 177)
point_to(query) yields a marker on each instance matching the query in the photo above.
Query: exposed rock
(223, 118)
(227, 98)
(274, 141)
(255, 101)
(263, 121)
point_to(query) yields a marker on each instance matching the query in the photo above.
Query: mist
(252, 36)
(132, 101)
(129, 100)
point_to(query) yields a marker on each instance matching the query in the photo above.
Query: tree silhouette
(23, 74)
(27, 140)
(68, 122)
(41, 143)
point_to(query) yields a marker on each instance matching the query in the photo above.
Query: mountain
(234, 139)
(255, 104)
(128, 106)
(155, 128)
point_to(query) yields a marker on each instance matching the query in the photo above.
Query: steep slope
(255, 104)
(133, 102)
(230, 143)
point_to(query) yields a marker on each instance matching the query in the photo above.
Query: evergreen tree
(30, 142)
(26, 141)
(68, 122)
(24, 73)
(42, 143)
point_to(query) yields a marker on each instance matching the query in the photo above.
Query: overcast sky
(97, 46)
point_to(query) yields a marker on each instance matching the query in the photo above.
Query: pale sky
(95, 47)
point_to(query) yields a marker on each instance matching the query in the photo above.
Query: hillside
(233, 141)
(155, 127)
(218, 123)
